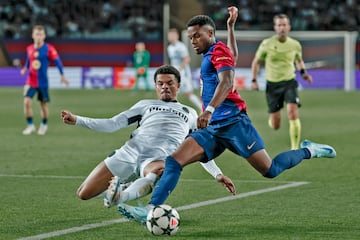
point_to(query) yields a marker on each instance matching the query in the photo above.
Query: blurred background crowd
(82, 18)
(304, 14)
(143, 19)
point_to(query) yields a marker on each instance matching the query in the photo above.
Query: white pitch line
(185, 207)
(74, 229)
(241, 195)
(181, 180)
(41, 176)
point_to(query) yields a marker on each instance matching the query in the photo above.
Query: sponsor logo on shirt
(222, 58)
(36, 64)
(168, 109)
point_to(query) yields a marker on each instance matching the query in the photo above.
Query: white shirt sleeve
(115, 123)
(193, 122)
(211, 168)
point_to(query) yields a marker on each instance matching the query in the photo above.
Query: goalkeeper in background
(279, 53)
(141, 60)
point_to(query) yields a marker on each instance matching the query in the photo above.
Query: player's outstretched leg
(318, 150)
(137, 214)
(113, 192)
(290, 159)
(120, 193)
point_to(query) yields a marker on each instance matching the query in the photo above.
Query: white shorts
(129, 161)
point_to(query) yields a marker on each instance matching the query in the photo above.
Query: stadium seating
(76, 27)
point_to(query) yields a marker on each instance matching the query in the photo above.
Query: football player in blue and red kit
(39, 54)
(223, 125)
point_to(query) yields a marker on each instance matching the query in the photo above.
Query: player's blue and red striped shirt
(37, 61)
(217, 59)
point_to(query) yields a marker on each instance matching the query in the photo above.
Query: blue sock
(167, 182)
(44, 121)
(287, 160)
(29, 120)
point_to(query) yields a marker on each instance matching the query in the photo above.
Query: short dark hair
(168, 69)
(201, 20)
(280, 16)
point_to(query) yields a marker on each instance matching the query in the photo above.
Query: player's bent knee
(156, 167)
(81, 194)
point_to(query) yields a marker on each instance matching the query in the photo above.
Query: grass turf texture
(40, 174)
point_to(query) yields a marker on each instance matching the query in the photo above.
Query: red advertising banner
(124, 78)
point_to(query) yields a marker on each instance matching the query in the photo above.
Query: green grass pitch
(39, 175)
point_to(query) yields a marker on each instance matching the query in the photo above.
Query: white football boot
(42, 129)
(30, 128)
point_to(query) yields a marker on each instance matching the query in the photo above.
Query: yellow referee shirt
(279, 58)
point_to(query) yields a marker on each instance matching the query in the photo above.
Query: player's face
(38, 36)
(201, 38)
(282, 27)
(140, 46)
(173, 37)
(166, 87)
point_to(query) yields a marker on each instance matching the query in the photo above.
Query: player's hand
(307, 77)
(204, 119)
(228, 184)
(141, 70)
(64, 80)
(68, 117)
(233, 11)
(255, 86)
(23, 70)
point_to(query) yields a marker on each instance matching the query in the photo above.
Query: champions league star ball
(163, 220)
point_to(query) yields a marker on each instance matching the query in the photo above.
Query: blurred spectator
(81, 18)
(143, 19)
(304, 14)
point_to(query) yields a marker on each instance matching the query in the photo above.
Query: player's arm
(112, 124)
(226, 81)
(26, 66)
(185, 61)
(97, 124)
(185, 56)
(53, 55)
(60, 67)
(255, 67)
(147, 59)
(300, 65)
(216, 172)
(231, 40)
(68, 118)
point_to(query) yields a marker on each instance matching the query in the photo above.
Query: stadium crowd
(143, 19)
(82, 18)
(304, 14)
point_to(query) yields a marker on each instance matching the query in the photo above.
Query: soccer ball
(163, 220)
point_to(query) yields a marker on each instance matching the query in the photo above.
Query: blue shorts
(235, 133)
(43, 93)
